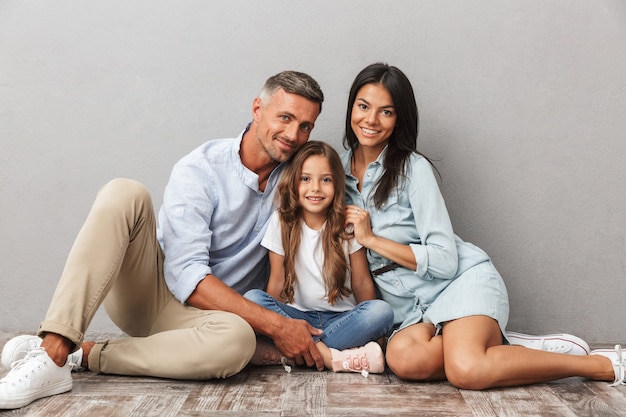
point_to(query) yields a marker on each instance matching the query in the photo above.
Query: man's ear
(257, 109)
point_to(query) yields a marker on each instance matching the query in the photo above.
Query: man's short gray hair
(293, 82)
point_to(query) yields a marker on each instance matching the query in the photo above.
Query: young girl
(318, 273)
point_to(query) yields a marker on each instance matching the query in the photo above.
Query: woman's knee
(465, 373)
(407, 361)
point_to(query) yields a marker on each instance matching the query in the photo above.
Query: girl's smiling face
(316, 190)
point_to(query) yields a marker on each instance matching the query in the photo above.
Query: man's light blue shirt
(213, 219)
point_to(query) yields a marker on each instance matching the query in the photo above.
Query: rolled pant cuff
(69, 333)
(94, 356)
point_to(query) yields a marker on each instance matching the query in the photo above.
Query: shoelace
(558, 348)
(620, 374)
(20, 352)
(286, 366)
(17, 365)
(75, 362)
(357, 363)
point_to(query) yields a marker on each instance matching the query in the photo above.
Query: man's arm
(292, 337)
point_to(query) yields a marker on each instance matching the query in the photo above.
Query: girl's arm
(277, 276)
(362, 283)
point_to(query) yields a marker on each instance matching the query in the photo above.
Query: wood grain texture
(271, 392)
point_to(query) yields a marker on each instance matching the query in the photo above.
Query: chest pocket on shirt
(390, 213)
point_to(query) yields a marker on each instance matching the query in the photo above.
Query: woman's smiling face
(373, 117)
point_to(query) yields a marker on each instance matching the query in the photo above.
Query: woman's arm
(433, 251)
(361, 280)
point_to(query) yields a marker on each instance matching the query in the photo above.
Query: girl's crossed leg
(368, 321)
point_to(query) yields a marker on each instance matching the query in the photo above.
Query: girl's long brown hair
(334, 234)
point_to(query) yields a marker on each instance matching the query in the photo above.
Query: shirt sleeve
(436, 255)
(185, 228)
(273, 240)
(353, 246)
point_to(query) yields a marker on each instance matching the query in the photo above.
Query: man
(176, 291)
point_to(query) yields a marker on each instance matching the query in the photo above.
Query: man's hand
(294, 339)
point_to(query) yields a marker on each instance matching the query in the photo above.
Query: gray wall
(522, 105)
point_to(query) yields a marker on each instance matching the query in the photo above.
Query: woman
(450, 303)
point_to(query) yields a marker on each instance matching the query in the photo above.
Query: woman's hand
(395, 251)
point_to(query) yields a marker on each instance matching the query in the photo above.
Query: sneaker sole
(19, 401)
(576, 341)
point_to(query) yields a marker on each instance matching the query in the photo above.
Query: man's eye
(306, 128)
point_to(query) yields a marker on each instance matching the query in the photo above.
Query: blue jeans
(367, 321)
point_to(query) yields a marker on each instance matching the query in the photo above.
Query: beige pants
(116, 259)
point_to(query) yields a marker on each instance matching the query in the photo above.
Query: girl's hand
(360, 221)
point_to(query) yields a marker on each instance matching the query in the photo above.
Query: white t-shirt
(309, 289)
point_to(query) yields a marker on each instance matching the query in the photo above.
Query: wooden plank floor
(271, 392)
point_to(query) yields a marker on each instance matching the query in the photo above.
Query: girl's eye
(327, 179)
(304, 178)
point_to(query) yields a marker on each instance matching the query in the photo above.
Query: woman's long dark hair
(403, 140)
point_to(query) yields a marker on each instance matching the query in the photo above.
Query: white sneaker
(18, 347)
(36, 376)
(618, 358)
(557, 343)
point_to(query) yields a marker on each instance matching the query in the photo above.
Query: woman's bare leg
(415, 353)
(475, 358)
